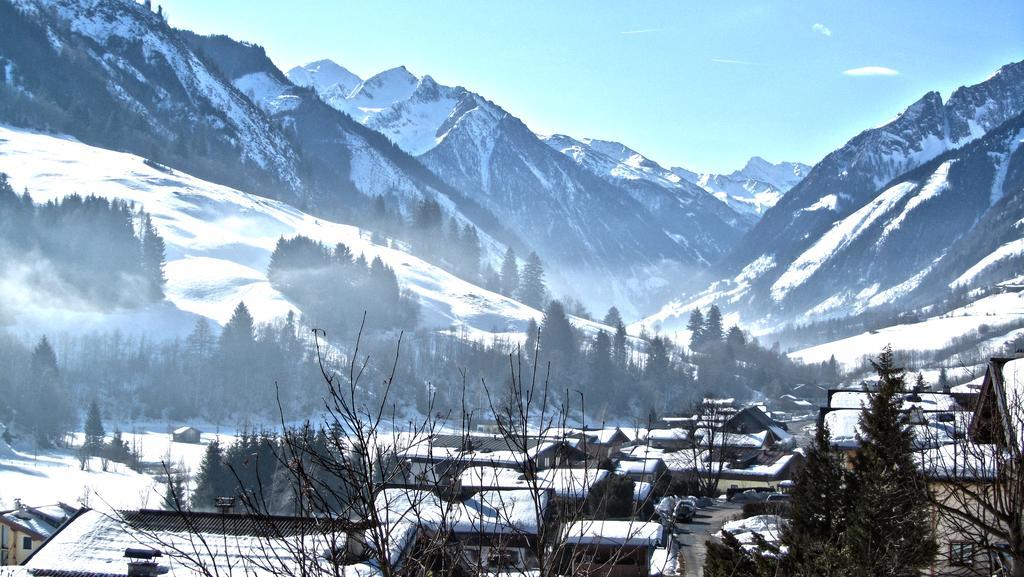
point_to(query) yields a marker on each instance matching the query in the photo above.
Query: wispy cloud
(871, 71)
(641, 31)
(732, 61)
(821, 29)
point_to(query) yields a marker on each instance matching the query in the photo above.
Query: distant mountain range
(618, 228)
(898, 216)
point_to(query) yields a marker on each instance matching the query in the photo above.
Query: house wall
(596, 561)
(950, 538)
(13, 549)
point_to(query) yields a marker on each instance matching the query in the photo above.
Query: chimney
(225, 505)
(141, 562)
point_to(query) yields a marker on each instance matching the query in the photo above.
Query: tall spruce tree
(889, 531)
(696, 327)
(532, 290)
(509, 273)
(713, 330)
(212, 480)
(94, 433)
(153, 258)
(819, 511)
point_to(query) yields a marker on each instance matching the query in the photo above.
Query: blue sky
(704, 85)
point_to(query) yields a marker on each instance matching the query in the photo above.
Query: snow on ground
(767, 526)
(1011, 249)
(48, 476)
(928, 335)
(219, 239)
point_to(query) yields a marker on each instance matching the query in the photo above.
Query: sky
(703, 85)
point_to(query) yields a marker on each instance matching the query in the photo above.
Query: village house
(602, 548)
(186, 435)
(23, 529)
(979, 465)
(442, 458)
(147, 543)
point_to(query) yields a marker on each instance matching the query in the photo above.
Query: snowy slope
(131, 62)
(928, 335)
(219, 240)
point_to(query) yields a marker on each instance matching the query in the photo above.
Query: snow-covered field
(219, 242)
(48, 476)
(928, 335)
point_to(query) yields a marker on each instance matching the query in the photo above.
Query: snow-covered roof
(499, 512)
(563, 482)
(641, 467)
(613, 533)
(38, 522)
(925, 401)
(182, 430)
(685, 462)
(95, 542)
(642, 490)
(668, 435)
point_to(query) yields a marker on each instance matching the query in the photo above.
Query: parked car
(779, 498)
(752, 495)
(685, 510)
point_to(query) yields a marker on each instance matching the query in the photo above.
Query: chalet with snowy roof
(187, 435)
(23, 529)
(443, 457)
(494, 531)
(982, 462)
(642, 471)
(605, 548)
(148, 543)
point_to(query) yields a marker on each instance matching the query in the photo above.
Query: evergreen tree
(532, 290)
(943, 384)
(619, 347)
(174, 493)
(735, 339)
(889, 531)
(94, 433)
(559, 342)
(696, 327)
(153, 259)
(657, 368)
(213, 479)
(612, 318)
(712, 332)
(509, 273)
(601, 368)
(532, 339)
(819, 512)
(469, 243)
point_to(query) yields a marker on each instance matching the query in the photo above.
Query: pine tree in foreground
(818, 514)
(889, 530)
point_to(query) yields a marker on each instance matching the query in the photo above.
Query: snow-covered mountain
(114, 74)
(900, 214)
(325, 76)
(753, 189)
(219, 242)
(593, 228)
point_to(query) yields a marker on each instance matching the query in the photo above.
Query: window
(26, 543)
(961, 554)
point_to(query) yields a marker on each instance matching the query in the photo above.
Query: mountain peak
(324, 75)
